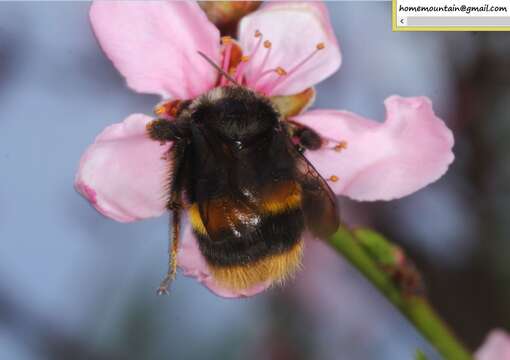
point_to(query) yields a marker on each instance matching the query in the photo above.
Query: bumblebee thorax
(234, 112)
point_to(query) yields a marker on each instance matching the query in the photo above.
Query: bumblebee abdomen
(270, 251)
(272, 269)
(274, 235)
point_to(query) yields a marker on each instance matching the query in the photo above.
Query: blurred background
(75, 285)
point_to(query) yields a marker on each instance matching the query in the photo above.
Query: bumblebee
(238, 169)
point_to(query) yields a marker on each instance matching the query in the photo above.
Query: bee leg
(306, 137)
(163, 130)
(173, 248)
(174, 205)
(309, 139)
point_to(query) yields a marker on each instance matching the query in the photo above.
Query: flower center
(261, 71)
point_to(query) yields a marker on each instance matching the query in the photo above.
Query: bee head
(234, 113)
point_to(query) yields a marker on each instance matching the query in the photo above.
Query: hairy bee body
(250, 193)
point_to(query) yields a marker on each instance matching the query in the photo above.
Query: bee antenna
(220, 70)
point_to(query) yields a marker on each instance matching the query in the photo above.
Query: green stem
(415, 308)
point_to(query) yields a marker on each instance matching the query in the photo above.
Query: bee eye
(238, 145)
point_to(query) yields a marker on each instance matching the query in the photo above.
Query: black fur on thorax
(234, 113)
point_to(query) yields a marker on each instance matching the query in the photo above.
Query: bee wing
(318, 200)
(228, 217)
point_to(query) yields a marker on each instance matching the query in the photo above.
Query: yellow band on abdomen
(196, 220)
(286, 196)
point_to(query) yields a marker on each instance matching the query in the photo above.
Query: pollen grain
(342, 145)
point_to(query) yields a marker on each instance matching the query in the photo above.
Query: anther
(245, 58)
(333, 178)
(341, 146)
(320, 46)
(160, 110)
(280, 71)
(168, 108)
(226, 40)
(267, 44)
(258, 33)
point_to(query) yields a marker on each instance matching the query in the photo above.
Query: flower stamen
(333, 178)
(246, 58)
(240, 69)
(268, 90)
(227, 43)
(258, 35)
(280, 71)
(268, 45)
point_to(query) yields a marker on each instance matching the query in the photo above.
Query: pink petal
(192, 263)
(495, 347)
(294, 30)
(154, 45)
(382, 161)
(122, 173)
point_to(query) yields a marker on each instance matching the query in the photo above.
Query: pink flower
(495, 347)
(290, 47)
